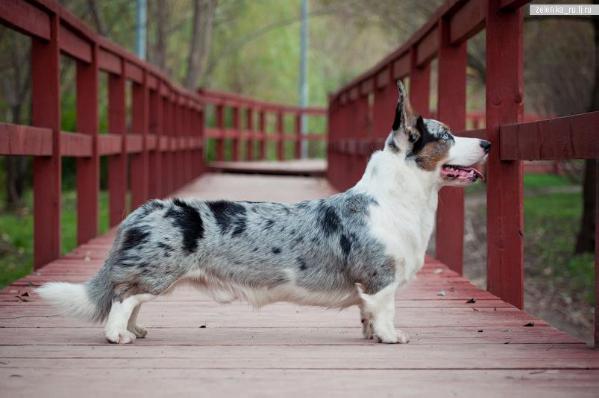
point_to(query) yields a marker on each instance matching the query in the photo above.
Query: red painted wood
(504, 104)
(75, 45)
(45, 112)
(280, 130)
(262, 129)
(420, 83)
(88, 168)
(25, 18)
(298, 135)
(428, 46)
(236, 120)
(25, 140)
(155, 157)
(220, 124)
(449, 241)
(596, 331)
(467, 21)
(117, 164)
(139, 161)
(569, 137)
(250, 132)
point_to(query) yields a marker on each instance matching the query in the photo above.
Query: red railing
(358, 123)
(162, 146)
(247, 132)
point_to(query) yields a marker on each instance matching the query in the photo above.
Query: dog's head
(433, 148)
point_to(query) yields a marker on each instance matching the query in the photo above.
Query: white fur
(465, 152)
(120, 327)
(70, 298)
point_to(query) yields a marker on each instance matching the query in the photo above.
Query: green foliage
(16, 238)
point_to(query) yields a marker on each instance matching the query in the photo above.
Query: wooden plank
(117, 165)
(75, 145)
(449, 241)
(109, 62)
(139, 162)
(493, 383)
(109, 144)
(428, 47)
(88, 168)
(25, 140)
(45, 112)
(134, 72)
(25, 18)
(420, 80)
(280, 130)
(505, 252)
(511, 5)
(570, 137)
(74, 45)
(467, 21)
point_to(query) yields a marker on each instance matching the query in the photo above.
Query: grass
(16, 241)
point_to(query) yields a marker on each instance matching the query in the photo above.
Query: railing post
(504, 104)
(88, 168)
(262, 130)
(139, 161)
(155, 128)
(280, 135)
(200, 133)
(236, 133)
(117, 164)
(449, 241)
(250, 133)
(45, 112)
(596, 331)
(220, 125)
(298, 135)
(420, 83)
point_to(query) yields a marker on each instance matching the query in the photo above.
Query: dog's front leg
(366, 322)
(379, 308)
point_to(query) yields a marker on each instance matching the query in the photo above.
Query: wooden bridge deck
(459, 347)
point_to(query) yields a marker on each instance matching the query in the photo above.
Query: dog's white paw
(392, 337)
(120, 336)
(138, 331)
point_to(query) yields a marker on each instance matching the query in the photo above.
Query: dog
(353, 248)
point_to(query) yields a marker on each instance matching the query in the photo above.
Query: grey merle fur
(325, 246)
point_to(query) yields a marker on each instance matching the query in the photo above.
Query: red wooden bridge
(467, 342)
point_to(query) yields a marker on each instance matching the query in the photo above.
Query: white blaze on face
(465, 152)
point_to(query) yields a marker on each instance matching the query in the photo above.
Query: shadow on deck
(460, 346)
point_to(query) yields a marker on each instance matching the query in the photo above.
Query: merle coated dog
(353, 248)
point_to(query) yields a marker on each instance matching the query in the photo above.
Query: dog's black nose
(485, 145)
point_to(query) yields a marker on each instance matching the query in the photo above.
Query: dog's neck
(408, 194)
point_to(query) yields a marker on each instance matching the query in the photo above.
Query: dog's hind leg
(132, 325)
(118, 319)
(380, 308)
(366, 322)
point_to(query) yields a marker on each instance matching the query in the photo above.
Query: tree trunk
(161, 29)
(16, 170)
(586, 235)
(203, 18)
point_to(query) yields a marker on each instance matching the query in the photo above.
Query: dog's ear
(404, 121)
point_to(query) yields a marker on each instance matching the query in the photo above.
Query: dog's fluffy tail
(90, 301)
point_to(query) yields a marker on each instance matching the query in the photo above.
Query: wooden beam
(504, 104)
(23, 140)
(25, 18)
(467, 21)
(570, 137)
(45, 112)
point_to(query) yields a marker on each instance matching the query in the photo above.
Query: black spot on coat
(134, 237)
(229, 216)
(345, 243)
(329, 220)
(276, 250)
(187, 218)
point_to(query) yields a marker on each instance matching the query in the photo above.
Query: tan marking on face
(432, 154)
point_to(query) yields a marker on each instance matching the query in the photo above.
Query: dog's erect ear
(404, 121)
(400, 109)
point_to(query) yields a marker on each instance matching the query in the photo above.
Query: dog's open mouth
(460, 173)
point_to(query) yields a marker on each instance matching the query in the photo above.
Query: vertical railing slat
(449, 242)
(88, 168)
(504, 104)
(139, 126)
(280, 131)
(45, 112)
(117, 164)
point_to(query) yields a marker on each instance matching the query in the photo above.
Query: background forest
(252, 47)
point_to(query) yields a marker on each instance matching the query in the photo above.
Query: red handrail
(163, 146)
(245, 136)
(444, 36)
